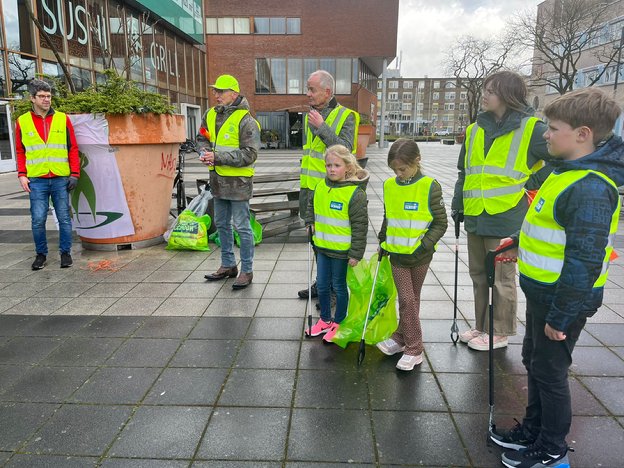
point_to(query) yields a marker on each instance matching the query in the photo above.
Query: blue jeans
(331, 273)
(236, 212)
(41, 190)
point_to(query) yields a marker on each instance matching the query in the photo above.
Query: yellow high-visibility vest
(43, 157)
(542, 240)
(407, 214)
(228, 140)
(332, 228)
(313, 161)
(496, 183)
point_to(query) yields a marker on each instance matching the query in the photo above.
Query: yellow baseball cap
(226, 82)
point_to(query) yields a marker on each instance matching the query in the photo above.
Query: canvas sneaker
(516, 438)
(318, 328)
(536, 457)
(332, 331)
(39, 262)
(66, 260)
(407, 362)
(469, 335)
(482, 342)
(389, 347)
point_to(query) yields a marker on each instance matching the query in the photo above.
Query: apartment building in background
(423, 106)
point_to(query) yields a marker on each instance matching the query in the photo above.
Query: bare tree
(471, 59)
(563, 32)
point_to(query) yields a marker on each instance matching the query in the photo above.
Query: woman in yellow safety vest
(414, 221)
(501, 158)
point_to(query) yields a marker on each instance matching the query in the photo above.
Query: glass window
(379, 96)
(379, 84)
(277, 25)
(159, 56)
(309, 67)
(295, 81)
(21, 71)
(263, 76)
(117, 35)
(408, 84)
(241, 25)
(136, 49)
(81, 78)
(450, 84)
(329, 65)
(171, 62)
(149, 52)
(77, 36)
(19, 28)
(343, 76)
(449, 96)
(211, 26)
(407, 96)
(436, 96)
(99, 35)
(52, 69)
(261, 25)
(278, 76)
(392, 84)
(407, 106)
(393, 96)
(3, 82)
(355, 78)
(293, 26)
(225, 25)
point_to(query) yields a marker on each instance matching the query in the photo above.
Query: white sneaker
(407, 362)
(389, 347)
(482, 342)
(469, 335)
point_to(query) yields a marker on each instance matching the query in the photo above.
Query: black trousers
(549, 408)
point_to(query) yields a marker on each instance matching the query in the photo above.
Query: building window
(436, 96)
(420, 106)
(393, 84)
(21, 71)
(393, 96)
(450, 84)
(407, 106)
(408, 84)
(436, 84)
(449, 106)
(225, 25)
(343, 76)
(379, 84)
(277, 25)
(295, 81)
(293, 26)
(449, 96)
(463, 106)
(241, 26)
(407, 96)
(435, 106)
(463, 95)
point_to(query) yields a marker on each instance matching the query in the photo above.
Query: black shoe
(516, 438)
(39, 262)
(536, 457)
(303, 294)
(66, 260)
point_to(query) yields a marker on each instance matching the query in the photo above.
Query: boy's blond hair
(588, 107)
(347, 157)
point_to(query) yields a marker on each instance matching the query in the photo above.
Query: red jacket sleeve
(72, 148)
(20, 152)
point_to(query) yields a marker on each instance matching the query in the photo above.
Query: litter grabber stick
(309, 305)
(362, 350)
(454, 327)
(490, 270)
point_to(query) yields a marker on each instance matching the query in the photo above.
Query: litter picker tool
(362, 350)
(309, 305)
(490, 270)
(454, 328)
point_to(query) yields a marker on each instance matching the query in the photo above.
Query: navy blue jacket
(584, 210)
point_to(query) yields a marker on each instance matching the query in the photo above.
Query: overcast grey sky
(427, 28)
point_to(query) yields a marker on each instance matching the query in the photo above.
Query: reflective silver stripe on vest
(334, 125)
(552, 236)
(42, 147)
(224, 149)
(332, 221)
(332, 237)
(408, 224)
(496, 192)
(539, 261)
(311, 173)
(404, 241)
(492, 170)
(45, 160)
(316, 154)
(473, 134)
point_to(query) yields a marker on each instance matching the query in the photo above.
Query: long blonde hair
(347, 157)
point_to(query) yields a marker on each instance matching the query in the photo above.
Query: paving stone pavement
(147, 365)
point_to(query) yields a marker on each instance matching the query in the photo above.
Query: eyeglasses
(220, 91)
(45, 97)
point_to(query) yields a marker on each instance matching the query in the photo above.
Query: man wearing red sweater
(48, 166)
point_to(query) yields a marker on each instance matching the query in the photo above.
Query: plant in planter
(129, 141)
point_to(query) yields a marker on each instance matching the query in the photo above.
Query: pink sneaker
(319, 328)
(332, 331)
(469, 335)
(482, 342)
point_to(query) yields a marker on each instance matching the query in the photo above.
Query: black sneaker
(303, 294)
(39, 262)
(536, 457)
(66, 260)
(515, 438)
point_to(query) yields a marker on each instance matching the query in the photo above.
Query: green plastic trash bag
(256, 229)
(382, 320)
(190, 232)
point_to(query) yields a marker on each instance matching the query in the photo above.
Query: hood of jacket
(510, 121)
(360, 179)
(608, 158)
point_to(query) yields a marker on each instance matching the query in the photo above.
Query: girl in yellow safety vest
(414, 221)
(338, 217)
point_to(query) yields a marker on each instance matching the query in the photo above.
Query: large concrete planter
(366, 133)
(146, 148)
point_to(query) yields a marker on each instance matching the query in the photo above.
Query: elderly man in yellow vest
(48, 166)
(229, 139)
(328, 123)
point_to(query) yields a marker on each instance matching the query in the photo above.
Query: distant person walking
(229, 139)
(326, 124)
(499, 160)
(48, 166)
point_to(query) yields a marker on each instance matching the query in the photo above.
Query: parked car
(442, 133)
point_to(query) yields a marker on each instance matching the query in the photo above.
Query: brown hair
(587, 107)
(406, 151)
(509, 87)
(347, 157)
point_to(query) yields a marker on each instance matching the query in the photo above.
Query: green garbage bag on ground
(190, 232)
(256, 228)
(382, 320)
